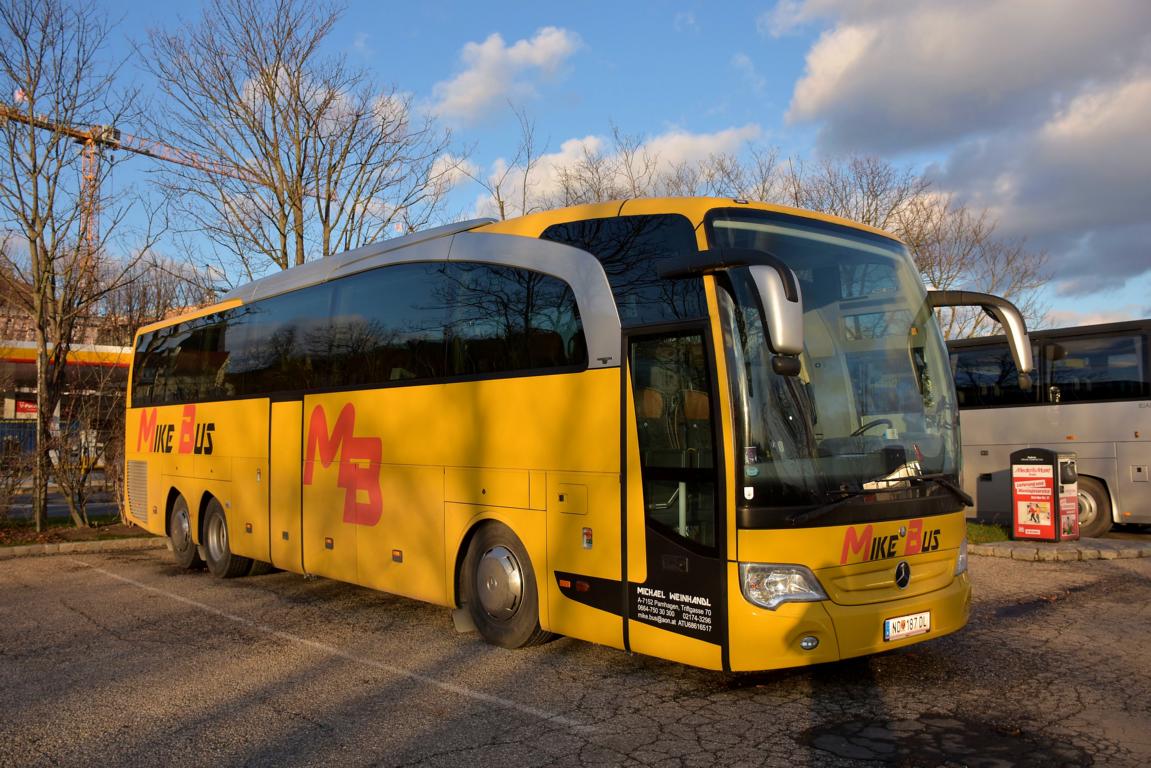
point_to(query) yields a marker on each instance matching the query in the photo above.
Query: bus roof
(694, 208)
(531, 225)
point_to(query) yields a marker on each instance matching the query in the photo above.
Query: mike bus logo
(193, 437)
(359, 463)
(861, 545)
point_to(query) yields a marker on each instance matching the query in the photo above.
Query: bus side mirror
(779, 293)
(1006, 314)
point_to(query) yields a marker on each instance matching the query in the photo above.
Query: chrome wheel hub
(181, 529)
(499, 583)
(1088, 510)
(217, 538)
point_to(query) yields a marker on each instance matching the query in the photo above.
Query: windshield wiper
(945, 482)
(940, 479)
(814, 513)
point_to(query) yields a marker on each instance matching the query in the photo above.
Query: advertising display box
(1044, 495)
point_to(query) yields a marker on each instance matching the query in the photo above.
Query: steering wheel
(870, 424)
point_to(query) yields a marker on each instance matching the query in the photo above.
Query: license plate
(906, 626)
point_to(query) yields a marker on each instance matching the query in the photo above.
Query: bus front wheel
(218, 554)
(499, 589)
(1094, 508)
(180, 535)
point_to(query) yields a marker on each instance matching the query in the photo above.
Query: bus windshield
(867, 430)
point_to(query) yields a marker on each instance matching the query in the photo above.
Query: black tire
(180, 536)
(499, 589)
(217, 554)
(1094, 508)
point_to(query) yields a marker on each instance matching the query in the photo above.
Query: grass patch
(985, 533)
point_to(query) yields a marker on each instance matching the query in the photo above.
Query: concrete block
(1066, 554)
(1024, 553)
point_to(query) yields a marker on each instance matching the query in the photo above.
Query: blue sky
(1026, 107)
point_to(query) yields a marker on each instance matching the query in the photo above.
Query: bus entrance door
(675, 570)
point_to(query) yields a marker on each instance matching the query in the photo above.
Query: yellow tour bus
(718, 432)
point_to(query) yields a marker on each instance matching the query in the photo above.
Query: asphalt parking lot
(121, 659)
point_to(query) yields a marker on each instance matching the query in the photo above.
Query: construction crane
(97, 138)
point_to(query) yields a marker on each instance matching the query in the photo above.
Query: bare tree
(952, 246)
(316, 158)
(157, 288)
(15, 462)
(754, 176)
(955, 247)
(51, 60)
(866, 189)
(90, 424)
(511, 182)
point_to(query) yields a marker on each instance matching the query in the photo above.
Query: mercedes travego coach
(718, 432)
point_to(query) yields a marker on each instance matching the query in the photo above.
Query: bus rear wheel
(499, 589)
(218, 554)
(180, 535)
(1094, 508)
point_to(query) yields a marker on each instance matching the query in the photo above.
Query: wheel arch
(527, 525)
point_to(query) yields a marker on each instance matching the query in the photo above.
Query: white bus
(1091, 396)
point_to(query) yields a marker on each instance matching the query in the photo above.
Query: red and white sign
(1033, 494)
(25, 408)
(1069, 512)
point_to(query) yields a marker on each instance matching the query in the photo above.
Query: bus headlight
(771, 584)
(961, 562)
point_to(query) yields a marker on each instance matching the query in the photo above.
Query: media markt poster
(1033, 492)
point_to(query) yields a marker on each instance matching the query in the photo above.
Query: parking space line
(332, 650)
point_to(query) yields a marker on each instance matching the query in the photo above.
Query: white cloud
(1040, 113)
(1075, 185)
(451, 171)
(494, 72)
(666, 152)
(677, 147)
(890, 75)
(1067, 318)
(746, 67)
(786, 17)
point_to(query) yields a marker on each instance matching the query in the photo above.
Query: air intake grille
(138, 490)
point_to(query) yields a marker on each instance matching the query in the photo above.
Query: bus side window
(1099, 368)
(986, 376)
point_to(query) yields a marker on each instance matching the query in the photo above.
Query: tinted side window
(278, 344)
(388, 325)
(510, 319)
(1105, 368)
(986, 376)
(409, 322)
(631, 249)
(181, 363)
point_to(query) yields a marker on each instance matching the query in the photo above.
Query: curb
(1068, 551)
(83, 547)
